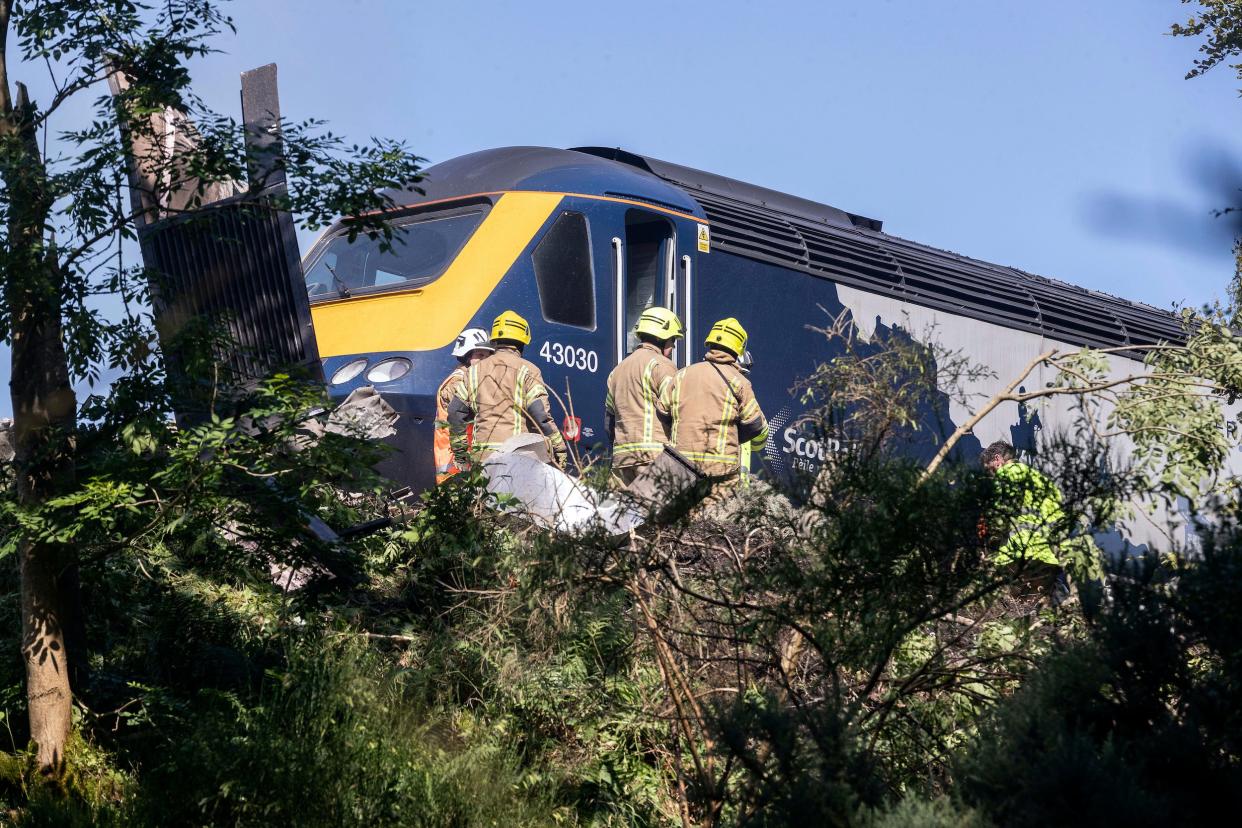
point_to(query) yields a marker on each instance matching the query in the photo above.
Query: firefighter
(1026, 521)
(713, 406)
(636, 407)
(744, 363)
(503, 396)
(470, 347)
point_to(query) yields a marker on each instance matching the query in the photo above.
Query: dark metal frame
(235, 262)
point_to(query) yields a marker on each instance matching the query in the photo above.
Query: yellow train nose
(430, 317)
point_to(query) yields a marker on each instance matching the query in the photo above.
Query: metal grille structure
(234, 263)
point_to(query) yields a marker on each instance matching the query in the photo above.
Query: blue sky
(1059, 137)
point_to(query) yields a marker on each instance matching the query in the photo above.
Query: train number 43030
(569, 356)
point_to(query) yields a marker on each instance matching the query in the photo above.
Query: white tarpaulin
(550, 498)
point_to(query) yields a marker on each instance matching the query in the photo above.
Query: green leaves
(1221, 22)
(84, 213)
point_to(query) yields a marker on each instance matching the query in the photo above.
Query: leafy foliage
(1219, 22)
(855, 660)
(1138, 722)
(333, 741)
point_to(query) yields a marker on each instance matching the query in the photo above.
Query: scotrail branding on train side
(808, 452)
(802, 447)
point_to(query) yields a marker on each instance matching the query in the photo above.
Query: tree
(1136, 722)
(67, 229)
(1219, 23)
(1173, 409)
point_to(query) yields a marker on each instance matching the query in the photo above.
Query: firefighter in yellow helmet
(471, 346)
(713, 406)
(636, 407)
(503, 396)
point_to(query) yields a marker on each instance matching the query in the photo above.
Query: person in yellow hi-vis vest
(636, 409)
(713, 407)
(503, 396)
(470, 347)
(1028, 526)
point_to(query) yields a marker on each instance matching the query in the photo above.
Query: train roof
(546, 169)
(818, 239)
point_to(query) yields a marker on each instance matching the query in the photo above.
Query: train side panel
(781, 309)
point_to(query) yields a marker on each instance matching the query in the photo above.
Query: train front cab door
(644, 259)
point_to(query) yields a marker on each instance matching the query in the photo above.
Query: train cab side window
(563, 271)
(647, 242)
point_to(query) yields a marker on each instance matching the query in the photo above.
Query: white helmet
(471, 339)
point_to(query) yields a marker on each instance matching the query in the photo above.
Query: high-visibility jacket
(637, 404)
(1027, 514)
(714, 411)
(446, 467)
(502, 396)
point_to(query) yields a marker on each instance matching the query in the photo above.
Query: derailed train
(580, 241)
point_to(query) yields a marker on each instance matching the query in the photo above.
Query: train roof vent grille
(936, 278)
(957, 287)
(752, 232)
(850, 257)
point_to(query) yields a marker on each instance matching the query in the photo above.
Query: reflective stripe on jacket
(503, 396)
(443, 446)
(714, 409)
(1027, 511)
(637, 399)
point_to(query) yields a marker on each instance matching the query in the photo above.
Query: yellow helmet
(512, 327)
(660, 323)
(728, 334)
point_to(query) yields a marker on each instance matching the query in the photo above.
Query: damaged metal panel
(225, 254)
(547, 497)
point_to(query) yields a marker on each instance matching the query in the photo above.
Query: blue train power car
(580, 241)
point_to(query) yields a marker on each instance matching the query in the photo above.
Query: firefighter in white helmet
(636, 408)
(503, 396)
(471, 346)
(744, 364)
(714, 409)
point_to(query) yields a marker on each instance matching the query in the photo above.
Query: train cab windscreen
(420, 251)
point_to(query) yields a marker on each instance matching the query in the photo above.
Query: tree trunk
(43, 418)
(44, 413)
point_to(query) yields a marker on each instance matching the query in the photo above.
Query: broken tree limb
(968, 426)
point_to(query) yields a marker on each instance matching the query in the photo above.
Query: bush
(1137, 725)
(918, 813)
(89, 790)
(332, 741)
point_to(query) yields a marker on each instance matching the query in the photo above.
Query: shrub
(1140, 723)
(333, 742)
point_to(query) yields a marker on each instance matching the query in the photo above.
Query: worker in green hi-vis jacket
(1026, 521)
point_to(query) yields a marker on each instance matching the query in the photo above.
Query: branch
(63, 94)
(966, 427)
